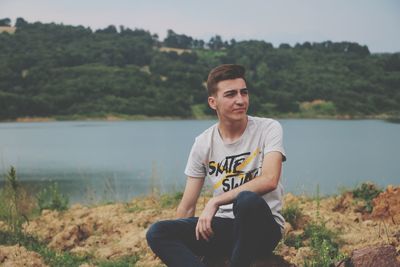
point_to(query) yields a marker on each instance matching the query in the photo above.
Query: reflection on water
(101, 187)
(91, 190)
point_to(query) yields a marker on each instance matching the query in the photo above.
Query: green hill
(50, 70)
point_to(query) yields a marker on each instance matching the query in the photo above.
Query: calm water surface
(93, 161)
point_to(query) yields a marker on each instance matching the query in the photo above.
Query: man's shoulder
(264, 123)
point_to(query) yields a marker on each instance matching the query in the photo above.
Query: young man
(242, 156)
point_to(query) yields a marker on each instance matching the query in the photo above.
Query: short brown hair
(222, 73)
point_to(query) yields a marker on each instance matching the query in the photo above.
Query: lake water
(114, 161)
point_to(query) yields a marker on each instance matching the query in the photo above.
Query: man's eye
(244, 91)
(230, 95)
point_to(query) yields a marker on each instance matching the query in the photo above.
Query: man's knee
(247, 199)
(164, 230)
(155, 232)
(248, 202)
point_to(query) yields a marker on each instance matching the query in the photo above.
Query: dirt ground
(116, 230)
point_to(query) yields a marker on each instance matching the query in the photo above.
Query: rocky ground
(117, 230)
(346, 215)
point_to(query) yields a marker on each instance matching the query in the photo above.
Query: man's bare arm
(187, 206)
(266, 182)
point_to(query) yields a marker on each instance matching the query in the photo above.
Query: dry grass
(179, 51)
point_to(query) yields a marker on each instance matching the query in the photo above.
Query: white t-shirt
(229, 165)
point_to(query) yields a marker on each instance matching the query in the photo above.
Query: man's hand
(203, 227)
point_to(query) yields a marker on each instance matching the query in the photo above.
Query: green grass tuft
(132, 208)
(292, 213)
(293, 240)
(367, 192)
(51, 198)
(170, 200)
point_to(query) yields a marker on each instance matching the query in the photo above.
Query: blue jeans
(251, 235)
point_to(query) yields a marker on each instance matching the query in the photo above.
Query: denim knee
(247, 201)
(154, 232)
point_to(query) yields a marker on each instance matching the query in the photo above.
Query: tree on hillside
(199, 44)
(5, 22)
(110, 30)
(20, 22)
(216, 43)
(393, 63)
(178, 40)
(284, 46)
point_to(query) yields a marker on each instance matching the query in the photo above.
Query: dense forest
(55, 70)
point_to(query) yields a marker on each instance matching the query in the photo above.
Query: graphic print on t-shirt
(230, 172)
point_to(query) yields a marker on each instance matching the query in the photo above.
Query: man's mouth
(239, 110)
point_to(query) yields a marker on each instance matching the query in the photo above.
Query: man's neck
(232, 131)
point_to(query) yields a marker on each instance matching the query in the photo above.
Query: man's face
(231, 100)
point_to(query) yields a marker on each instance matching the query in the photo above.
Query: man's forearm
(259, 185)
(183, 212)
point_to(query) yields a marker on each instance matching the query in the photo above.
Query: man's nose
(239, 99)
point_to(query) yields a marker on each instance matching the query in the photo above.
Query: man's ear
(212, 103)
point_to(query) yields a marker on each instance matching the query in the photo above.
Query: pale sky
(375, 23)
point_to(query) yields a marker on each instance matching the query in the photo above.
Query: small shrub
(51, 198)
(292, 213)
(318, 233)
(322, 256)
(293, 240)
(367, 192)
(324, 243)
(15, 203)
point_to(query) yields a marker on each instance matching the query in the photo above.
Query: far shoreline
(123, 117)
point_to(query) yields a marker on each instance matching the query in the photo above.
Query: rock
(373, 256)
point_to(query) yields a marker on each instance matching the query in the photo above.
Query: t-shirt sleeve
(195, 165)
(274, 139)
